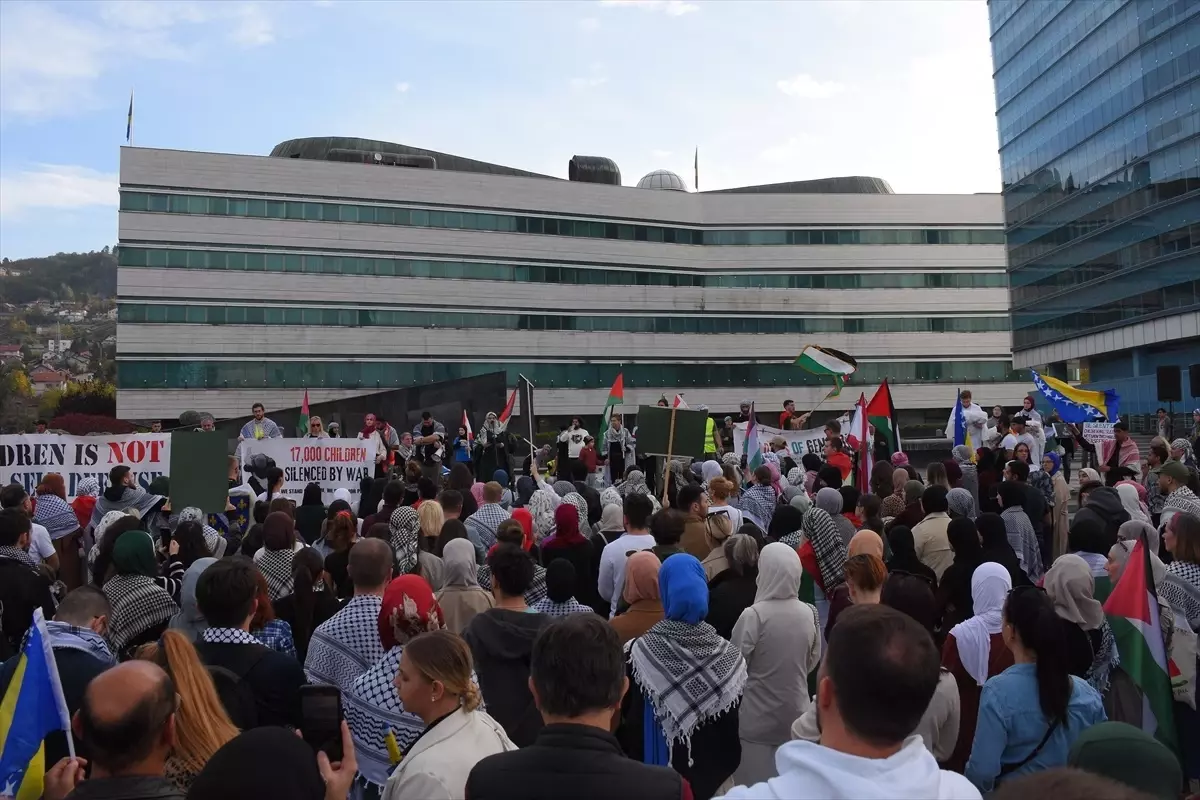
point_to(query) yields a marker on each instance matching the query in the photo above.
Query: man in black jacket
(226, 595)
(22, 587)
(578, 680)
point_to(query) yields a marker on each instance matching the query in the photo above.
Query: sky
(766, 91)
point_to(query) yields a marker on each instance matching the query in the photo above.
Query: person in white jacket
(975, 416)
(880, 671)
(435, 682)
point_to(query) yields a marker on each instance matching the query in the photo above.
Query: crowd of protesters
(773, 632)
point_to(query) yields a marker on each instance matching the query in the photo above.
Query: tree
(94, 398)
(48, 403)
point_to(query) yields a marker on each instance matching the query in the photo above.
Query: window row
(472, 270)
(147, 374)
(1126, 309)
(361, 317)
(1028, 19)
(550, 226)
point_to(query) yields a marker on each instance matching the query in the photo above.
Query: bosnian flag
(508, 409)
(466, 423)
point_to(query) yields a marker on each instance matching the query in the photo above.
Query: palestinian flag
(881, 412)
(827, 361)
(507, 412)
(304, 415)
(1132, 611)
(466, 423)
(616, 397)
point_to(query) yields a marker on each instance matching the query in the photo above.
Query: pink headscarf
(477, 492)
(776, 480)
(899, 459)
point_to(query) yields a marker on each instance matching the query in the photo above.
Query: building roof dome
(662, 179)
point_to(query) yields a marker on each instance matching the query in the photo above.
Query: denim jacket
(1011, 724)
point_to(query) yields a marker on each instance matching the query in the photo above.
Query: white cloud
(59, 186)
(402, 87)
(661, 153)
(589, 24)
(588, 83)
(808, 87)
(672, 8)
(252, 26)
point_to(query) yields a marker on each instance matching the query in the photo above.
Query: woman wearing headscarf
(733, 591)
(213, 541)
(685, 683)
(372, 706)
(1131, 502)
(1087, 637)
(954, 591)
(823, 555)
(189, 621)
(961, 504)
(974, 651)
(866, 542)
(786, 526)
(970, 474)
(811, 463)
(759, 500)
(913, 512)
(993, 537)
(542, 505)
(904, 555)
(1181, 450)
(405, 538)
(311, 513)
(570, 543)
(780, 639)
(1089, 540)
(643, 607)
(1052, 466)
(85, 500)
(461, 597)
(141, 608)
(894, 502)
(506, 497)
(52, 512)
(274, 561)
(831, 502)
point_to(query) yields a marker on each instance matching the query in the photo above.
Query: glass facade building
(1098, 112)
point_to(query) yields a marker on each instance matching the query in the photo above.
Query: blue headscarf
(1054, 457)
(500, 477)
(683, 589)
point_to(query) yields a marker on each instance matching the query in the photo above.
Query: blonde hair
(935, 475)
(444, 656)
(432, 518)
(202, 726)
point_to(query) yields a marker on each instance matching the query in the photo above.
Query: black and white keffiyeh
(138, 604)
(533, 595)
(688, 673)
(1182, 500)
(53, 514)
(1180, 587)
(276, 567)
(227, 636)
(405, 526)
(347, 644)
(552, 609)
(759, 501)
(136, 498)
(192, 514)
(828, 547)
(484, 522)
(1023, 540)
(576, 499)
(17, 554)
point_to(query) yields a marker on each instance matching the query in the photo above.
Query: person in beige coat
(461, 597)
(780, 638)
(435, 683)
(930, 534)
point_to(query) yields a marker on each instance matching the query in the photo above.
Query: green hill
(63, 276)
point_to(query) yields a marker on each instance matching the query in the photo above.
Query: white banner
(1095, 432)
(333, 463)
(799, 442)
(25, 458)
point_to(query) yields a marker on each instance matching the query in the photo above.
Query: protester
(578, 680)
(929, 535)
(1181, 589)
(904, 555)
(501, 639)
(142, 606)
(279, 549)
(1089, 647)
(1130, 756)
(52, 512)
(311, 602)
(310, 513)
(823, 556)
(510, 532)
(405, 538)
(895, 502)
(274, 633)
(374, 709)
(733, 591)
(779, 638)
(993, 537)
(461, 596)
(340, 537)
(954, 590)
(122, 493)
(913, 511)
(685, 686)
(348, 644)
(1019, 530)
(482, 523)
(274, 762)
(22, 587)
(875, 683)
(1178, 498)
(561, 586)
(642, 603)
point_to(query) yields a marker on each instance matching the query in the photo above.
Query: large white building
(248, 279)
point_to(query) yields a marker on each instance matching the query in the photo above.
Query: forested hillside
(64, 276)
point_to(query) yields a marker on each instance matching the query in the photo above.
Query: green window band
(258, 261)
(146, 373)
(311, 211)
(273, 314)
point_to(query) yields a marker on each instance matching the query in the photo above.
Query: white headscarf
(1131, 503)
(710, 470)
(1069, 583)
(779, 573)
(459, 557)
(990, 585)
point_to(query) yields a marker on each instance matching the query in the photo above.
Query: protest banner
(1096, 432)
(25, 458)
(332, 463)
(799, 442)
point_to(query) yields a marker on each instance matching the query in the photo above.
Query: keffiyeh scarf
(541, 508)
(1189, 457)
(1105, 659)
(64, 636)
(347, 644)
(759, 501)
(192, 514)
(276, 567)
(1180, 587)
(1023, 540)
(828, 548)
(138, 604)
(136, 498)
(227, 636)
(689, 674)
(17, 554)
(405, 526)
(484, 522)
(55, 516)
(1182, 499)
(576, 499)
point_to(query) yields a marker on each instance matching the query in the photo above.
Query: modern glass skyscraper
(1098, 110)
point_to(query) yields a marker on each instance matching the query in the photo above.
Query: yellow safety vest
(709, 427)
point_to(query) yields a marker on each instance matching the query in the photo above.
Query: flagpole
(823, 399)
(529, 413)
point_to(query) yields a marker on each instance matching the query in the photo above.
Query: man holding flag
(967, 422)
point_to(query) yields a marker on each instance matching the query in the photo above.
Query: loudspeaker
(1169, 388)
(1194, 372)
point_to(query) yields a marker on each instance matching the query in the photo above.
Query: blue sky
(769, 91)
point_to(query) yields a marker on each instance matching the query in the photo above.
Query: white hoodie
(809, 771)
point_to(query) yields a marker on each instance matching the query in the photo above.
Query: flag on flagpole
(1078, 405)
(1133, 613)
(881, 412)
(696, 171)
(827, 361)
(33, 706)
(304, 415)
(507, 412)
(859, 438)
(616, 397)
(753, 450)
(129, 120)
(466, 423)
(962, 434)
(678, 402)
